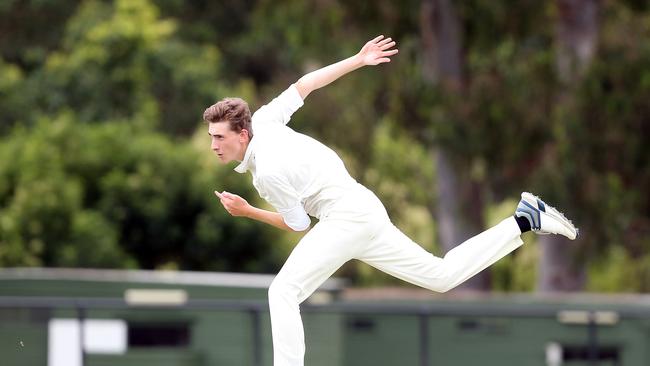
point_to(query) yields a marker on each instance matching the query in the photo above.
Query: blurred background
(105, 162)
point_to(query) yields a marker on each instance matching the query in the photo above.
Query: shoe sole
(550, 211)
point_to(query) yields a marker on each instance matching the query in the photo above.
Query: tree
(459, 207)
(110, 195)
(576, 38)
(600, 162)
(121, 60)
(528, 113)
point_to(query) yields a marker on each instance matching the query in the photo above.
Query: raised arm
(374, 52)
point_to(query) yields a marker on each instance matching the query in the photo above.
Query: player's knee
(274, 290)
(443, 284)
(444, 288)
(282, 290)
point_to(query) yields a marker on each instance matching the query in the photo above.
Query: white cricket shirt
(293, 172)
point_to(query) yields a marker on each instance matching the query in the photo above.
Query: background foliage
(104, 161)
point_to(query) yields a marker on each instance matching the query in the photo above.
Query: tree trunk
(440, 32)
(558, 269)
(459, 203)
(576, 38)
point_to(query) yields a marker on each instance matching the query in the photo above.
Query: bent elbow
(298, 227)
(296, 219)
(297, 224)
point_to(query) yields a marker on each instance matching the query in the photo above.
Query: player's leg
(326, 247)
(394, 253)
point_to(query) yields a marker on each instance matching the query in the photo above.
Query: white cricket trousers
(359, 228)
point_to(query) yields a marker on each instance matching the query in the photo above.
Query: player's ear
(244, 135)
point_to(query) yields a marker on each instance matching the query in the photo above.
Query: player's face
(227, 144)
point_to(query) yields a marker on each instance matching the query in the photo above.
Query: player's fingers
(226, 205)
(222, 199)
(377, 39)
(386, 46)
(384, 41)
(389, 52)
(226, 202)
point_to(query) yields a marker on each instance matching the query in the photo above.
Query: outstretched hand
(234, 204)
(377, 51)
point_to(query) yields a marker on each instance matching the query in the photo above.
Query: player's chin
(222, 159)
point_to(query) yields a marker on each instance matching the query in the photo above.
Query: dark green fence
(234, 332)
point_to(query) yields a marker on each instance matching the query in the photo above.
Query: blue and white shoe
(543, 218)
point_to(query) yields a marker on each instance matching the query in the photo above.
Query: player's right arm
(238, 206)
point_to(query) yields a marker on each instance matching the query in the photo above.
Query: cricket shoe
(543, 218)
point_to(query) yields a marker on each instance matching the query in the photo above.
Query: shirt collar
(248, 162)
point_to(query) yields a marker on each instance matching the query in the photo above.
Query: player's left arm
(374, 52)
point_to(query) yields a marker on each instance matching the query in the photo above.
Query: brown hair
(235, 111)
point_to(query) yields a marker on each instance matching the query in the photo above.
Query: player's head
(230, 127)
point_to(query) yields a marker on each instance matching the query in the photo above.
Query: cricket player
(300, 177)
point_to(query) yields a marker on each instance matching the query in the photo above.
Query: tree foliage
(104, 161)
(111, 196)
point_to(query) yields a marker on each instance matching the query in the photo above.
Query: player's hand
(377, 51)
(235, 205)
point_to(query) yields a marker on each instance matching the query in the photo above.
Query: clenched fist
(235, 205)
